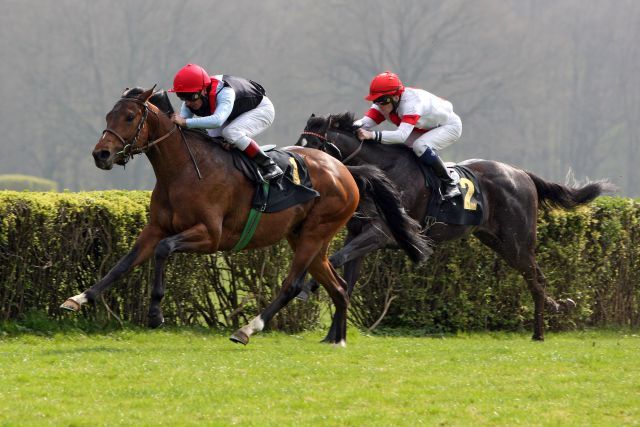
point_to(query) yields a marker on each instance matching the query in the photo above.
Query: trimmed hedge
(591, 254)
(54, 245)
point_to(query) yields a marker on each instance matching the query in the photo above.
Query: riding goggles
(383, 100)
(188, 96)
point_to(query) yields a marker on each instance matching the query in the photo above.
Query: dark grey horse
(511, 198)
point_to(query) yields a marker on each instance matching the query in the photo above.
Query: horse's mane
(342, 122)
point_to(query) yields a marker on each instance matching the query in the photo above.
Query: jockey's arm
(398, 136)
(365, 123)
(374, 117)
(224, 105)
(185, 111)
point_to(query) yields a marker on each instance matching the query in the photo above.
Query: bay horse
(201, 201)
(511, 196)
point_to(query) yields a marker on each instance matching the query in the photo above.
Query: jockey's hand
(364, 134)
(179, 120)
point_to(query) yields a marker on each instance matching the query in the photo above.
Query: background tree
(548, 86)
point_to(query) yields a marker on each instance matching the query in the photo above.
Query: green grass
(195, 377)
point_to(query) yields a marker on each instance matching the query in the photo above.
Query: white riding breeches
(243, 128)
(436, 139)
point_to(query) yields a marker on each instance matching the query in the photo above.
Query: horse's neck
(367, 152)
(400, 165)
(182, 153)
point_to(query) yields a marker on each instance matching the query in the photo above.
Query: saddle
(292, 189)
(465, 209)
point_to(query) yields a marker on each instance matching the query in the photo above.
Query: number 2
(467, 184)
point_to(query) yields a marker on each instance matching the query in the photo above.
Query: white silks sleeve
(365, 122)
(224, 105)
(398, 136)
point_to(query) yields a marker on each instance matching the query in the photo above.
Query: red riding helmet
(190, 78)
(386, 83)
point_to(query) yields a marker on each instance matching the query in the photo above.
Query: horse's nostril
(101, 154)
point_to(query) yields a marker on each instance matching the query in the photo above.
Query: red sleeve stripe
(375, 115)
(412, 119)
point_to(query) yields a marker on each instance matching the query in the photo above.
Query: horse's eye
(130, 117)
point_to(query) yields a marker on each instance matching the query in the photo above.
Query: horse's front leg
(141, 251)
(195, 239)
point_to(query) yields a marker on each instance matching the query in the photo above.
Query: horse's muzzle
(103, 159)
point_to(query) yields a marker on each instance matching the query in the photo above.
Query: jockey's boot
(449, 183)
(268, 168)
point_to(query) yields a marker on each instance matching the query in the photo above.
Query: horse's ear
(147, 94)
(126, 89)
(312, 115)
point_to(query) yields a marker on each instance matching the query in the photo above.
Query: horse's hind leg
(305, 251)
(560, 306)
(518, 252)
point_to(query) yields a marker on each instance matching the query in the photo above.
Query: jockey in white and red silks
(232, 107)
(425, 123)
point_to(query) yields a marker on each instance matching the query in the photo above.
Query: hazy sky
(550, 86)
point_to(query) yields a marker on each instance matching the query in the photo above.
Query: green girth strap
(252, 222)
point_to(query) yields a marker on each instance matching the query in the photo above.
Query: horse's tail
(406, 231)
(556, 195)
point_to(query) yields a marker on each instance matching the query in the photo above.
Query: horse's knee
(163, 249)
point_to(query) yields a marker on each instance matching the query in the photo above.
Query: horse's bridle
(131, 149)
(328, 144)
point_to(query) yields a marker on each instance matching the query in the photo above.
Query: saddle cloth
(292, 189)
(465, 209)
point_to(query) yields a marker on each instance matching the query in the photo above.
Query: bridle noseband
(130, 149)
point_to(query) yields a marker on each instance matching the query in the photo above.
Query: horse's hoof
(303, 296)
(239, 337)
(568, 305)
(70, 305)
(156, 323)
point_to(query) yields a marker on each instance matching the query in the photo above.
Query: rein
(131, 149)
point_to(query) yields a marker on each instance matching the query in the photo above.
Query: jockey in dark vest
(234, 108)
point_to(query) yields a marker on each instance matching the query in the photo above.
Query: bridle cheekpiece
(131, 149)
